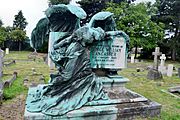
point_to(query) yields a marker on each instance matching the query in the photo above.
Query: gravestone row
(33, 79)
(157, 71)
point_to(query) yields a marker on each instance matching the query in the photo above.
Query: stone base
(154, 75)
(122, 104)
(114, 82)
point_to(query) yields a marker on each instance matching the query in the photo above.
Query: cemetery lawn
(15, 96)
(153, 89)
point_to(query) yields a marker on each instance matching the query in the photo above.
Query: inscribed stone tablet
(109, 53)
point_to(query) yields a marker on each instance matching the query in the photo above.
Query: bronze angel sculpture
(75, 84)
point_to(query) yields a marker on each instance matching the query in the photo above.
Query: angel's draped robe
(72, 87)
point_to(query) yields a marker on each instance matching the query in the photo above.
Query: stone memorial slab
(154, 74)
(52, 37)
(162, 67)
(110, 54)
(132, 59)
(7, 51)
(174, 89)
(156, 54)
(170, 70)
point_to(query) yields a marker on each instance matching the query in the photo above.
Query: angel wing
(40, 33)
(64, 18)
(104, 20)
(59, 18)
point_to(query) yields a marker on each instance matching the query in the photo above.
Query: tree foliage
(136, 22)
(19, 21)
(3, 34)
(91, 7)
(1, 23)
(169, 14)
(18, 35)
(55, 2)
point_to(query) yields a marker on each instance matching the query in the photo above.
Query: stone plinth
(122, 104)
(114, 81)
(154, 74)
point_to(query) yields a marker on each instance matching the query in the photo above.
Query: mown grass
(24, 68)
(138, 82)
(152, 89)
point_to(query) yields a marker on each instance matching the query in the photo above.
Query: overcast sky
(32, 10)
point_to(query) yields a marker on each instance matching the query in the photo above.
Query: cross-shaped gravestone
(156, 54)
(163, 58)
(162, 67)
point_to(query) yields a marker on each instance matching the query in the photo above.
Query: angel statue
(74, 85)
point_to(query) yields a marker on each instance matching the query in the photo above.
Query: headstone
(175, 89)
(154, 74)
(111, 54)
(156, 54)
(53, 36)
(170, 70)
(7, 51)
(163, 58)
(162, 67)
(132, 59)
(136, 60)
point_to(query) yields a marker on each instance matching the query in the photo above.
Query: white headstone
(170, 70)
(7, 51)
(51, 39)
(111, 54)
(163, 58)
(132, 59)
(162, 67)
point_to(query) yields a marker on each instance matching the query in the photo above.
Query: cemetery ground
(12, 107)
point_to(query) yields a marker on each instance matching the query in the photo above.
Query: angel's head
(104, 20)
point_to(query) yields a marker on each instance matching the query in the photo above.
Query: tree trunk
(174, 54)
(175, 46)
(135, 51)
(19, 45)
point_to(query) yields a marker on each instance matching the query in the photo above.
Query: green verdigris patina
(74, 85)
(110, 54)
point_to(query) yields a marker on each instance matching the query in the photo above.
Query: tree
(91, 7)
(136, 22)
(19, 21)
(55, 2)
(18, 35)
(168, 13)
(1, 23)
(3, 35)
